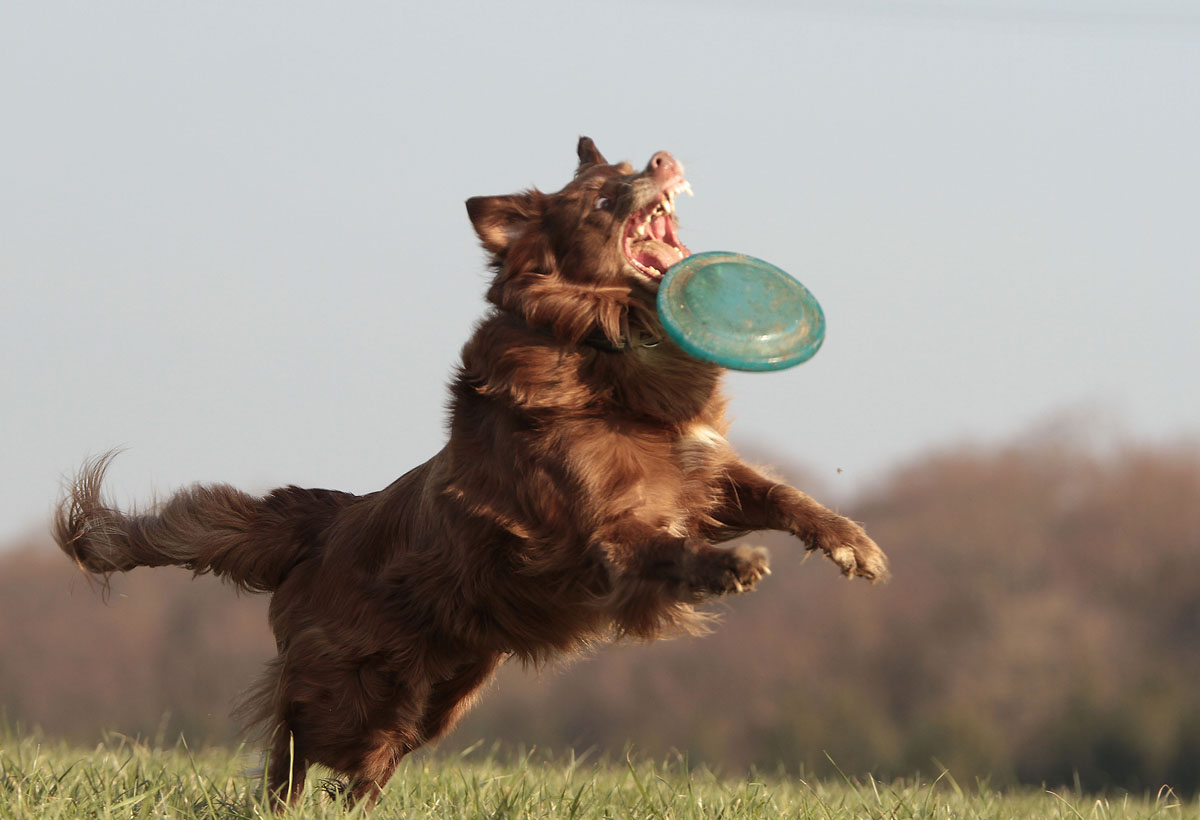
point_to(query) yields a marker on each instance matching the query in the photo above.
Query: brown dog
(586, 479)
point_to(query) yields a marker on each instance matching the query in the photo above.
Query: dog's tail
(253, 542)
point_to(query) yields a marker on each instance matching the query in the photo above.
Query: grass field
(123, 779)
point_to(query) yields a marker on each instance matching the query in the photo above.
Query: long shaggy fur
(249, 541)
(580, 497)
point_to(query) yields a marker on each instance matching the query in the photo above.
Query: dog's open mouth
(649, 241)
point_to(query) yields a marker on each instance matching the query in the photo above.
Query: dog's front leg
(751, 501)
(687, 568)
(652, 573)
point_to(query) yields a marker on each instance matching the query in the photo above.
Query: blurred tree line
(1042, 626)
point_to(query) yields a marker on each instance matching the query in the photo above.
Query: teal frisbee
(739, 312)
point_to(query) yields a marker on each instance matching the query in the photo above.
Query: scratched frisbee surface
(739, 312)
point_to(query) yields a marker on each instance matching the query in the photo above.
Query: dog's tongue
(657, 255)
(663, 249)
(660, 226)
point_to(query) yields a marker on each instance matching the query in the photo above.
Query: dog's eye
(601, 203)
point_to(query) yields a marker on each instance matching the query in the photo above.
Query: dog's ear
(589, 154)
(500, 219)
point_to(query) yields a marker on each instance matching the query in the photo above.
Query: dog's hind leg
(445, 703)
(377, 722)
(375, 770)
(451, 698)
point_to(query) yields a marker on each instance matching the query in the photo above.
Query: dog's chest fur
(664, 478)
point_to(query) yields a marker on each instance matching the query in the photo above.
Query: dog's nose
(664, 167)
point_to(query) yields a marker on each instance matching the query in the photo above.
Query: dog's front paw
(848, 545)
(731, 571)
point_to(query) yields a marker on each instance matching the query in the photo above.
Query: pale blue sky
(232, 236)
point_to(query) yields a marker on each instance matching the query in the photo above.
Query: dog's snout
(664, 167)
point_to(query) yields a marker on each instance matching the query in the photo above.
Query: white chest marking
(704, 434)
(696, 447)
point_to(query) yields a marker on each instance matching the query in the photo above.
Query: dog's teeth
(685, 188)
(667, 206)
(641, 229)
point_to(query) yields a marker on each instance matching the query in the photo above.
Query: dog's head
(589, 257)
